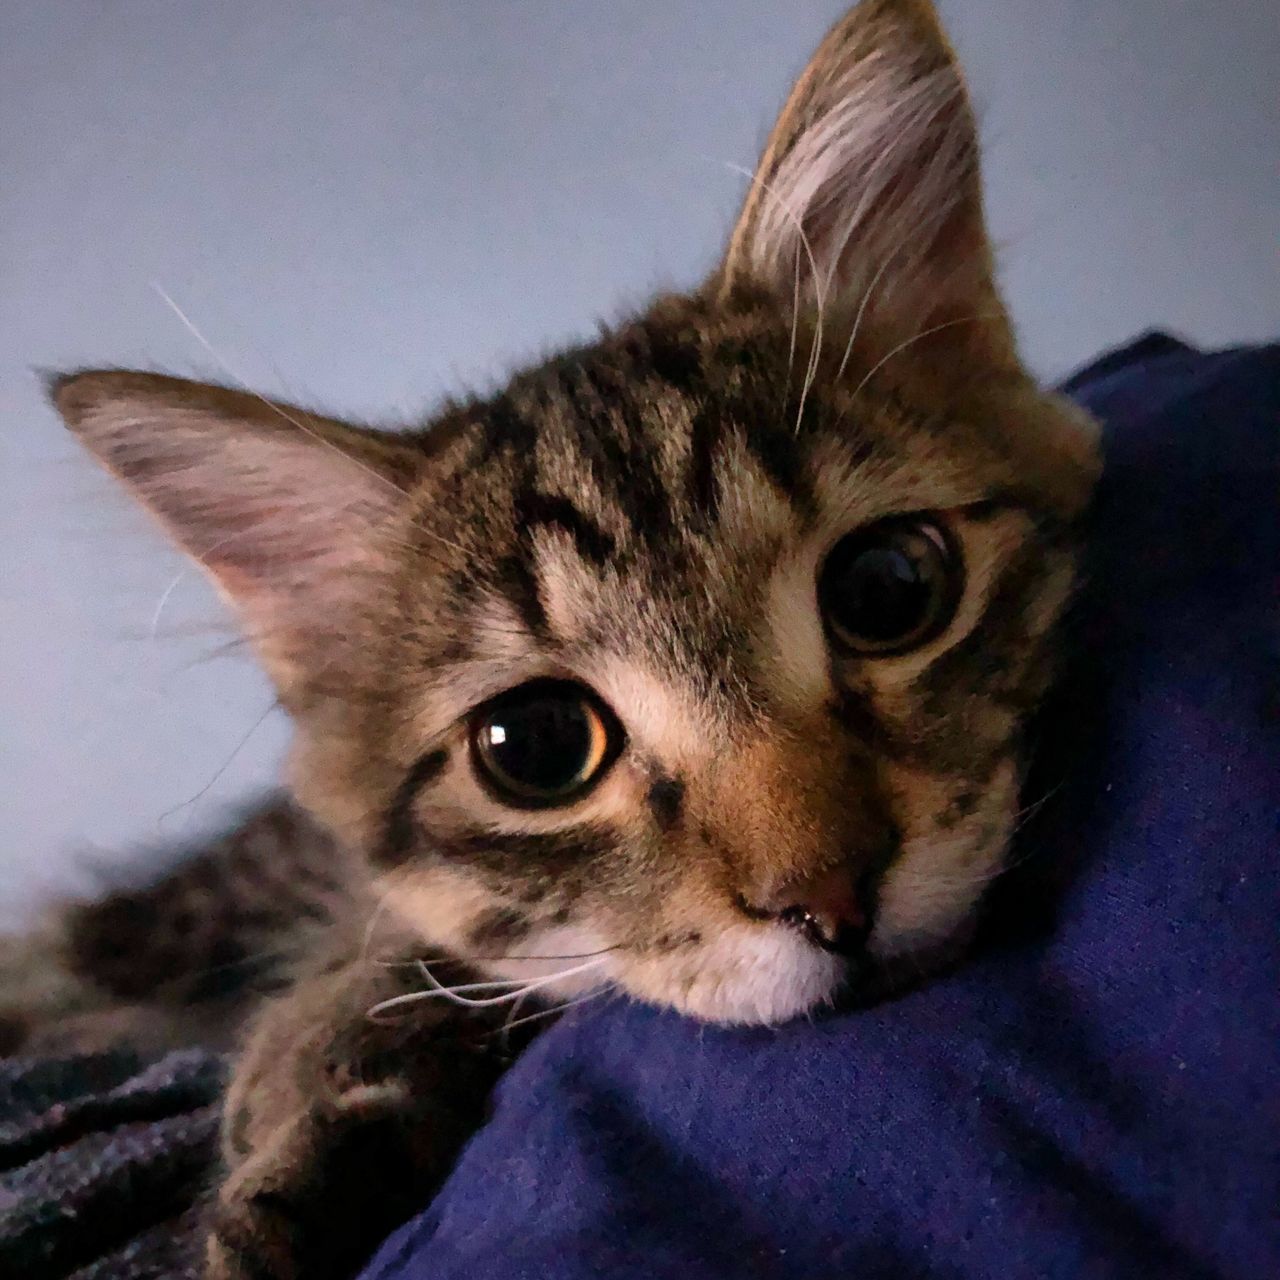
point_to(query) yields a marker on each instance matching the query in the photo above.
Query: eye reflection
(890, 587)
(544, 743)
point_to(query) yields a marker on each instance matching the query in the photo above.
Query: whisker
(447, 993)
(202, 559)
(926, 111)
(1024, 815)
(266, 957)
(560, 1008)
(383, 1007)
(862, 306)
(489, 984)
(795, 324)
(902, 346)
(438, 990)
(381, 907)
(376, 1012)
(955, 880)
(164, 600)
(226, 764)
(191, 328)
(505, 1033)
(230, 539)
(819, 285)
(471, 959)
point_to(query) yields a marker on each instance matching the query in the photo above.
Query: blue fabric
(1097, 1093)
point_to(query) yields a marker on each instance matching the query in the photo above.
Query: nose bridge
(792, 805)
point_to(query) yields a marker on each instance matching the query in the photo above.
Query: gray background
(366, 204)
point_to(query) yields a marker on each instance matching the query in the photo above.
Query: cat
(696, 664)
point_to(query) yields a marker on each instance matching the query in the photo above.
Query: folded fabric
(1097, 1092)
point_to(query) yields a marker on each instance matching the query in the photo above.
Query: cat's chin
(748, 976)
(763, 977)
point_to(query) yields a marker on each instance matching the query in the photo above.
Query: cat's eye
(891, 586)
(544, 743)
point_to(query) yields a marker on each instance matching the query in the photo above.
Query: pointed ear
(280, 507)
(867, 198)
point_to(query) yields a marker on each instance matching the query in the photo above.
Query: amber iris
(543, 743)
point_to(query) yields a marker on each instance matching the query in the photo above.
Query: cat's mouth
(841, 932)
(834, 909)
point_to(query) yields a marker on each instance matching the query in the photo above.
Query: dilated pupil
(883, 594)
(890, 586)
(542, 743)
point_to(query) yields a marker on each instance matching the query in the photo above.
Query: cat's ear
(868, 195)
(280, 507)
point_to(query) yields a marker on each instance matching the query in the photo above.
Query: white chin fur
(748, 975)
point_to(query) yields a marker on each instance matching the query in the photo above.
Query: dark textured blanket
(103, 1160)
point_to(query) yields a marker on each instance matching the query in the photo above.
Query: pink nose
(825, 907)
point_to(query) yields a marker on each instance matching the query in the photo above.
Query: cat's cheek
(922, 908)
(749, 975)
(930, 892)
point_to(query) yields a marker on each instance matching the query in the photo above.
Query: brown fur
(649, 516)
(179, 960)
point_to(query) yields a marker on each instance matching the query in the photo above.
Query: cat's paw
(303, 1203)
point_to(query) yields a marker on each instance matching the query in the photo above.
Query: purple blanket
(1097, 1094)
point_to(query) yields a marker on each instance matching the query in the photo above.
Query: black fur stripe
(617, 447)
(776, 448)
(772, 446)
(400, 830)
(706, 436)
(506, 430)
(1001, 629)
(527, 855)
(535, 510)
(857, 712)
(498, 929)
(240, 1242)
(666, 801)
(1052, 529)
(674, 357)
(514, 577)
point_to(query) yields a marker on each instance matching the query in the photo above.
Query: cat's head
(705, 651)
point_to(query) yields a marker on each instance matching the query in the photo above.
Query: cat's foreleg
(338, 1125)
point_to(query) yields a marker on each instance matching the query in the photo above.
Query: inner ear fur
(867, 200)
(281, 507)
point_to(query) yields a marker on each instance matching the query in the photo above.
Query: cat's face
(703, 653)
(756, 681)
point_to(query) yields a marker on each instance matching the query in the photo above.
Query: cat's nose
(828, 908)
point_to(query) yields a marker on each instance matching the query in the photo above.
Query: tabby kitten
(696, 663)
